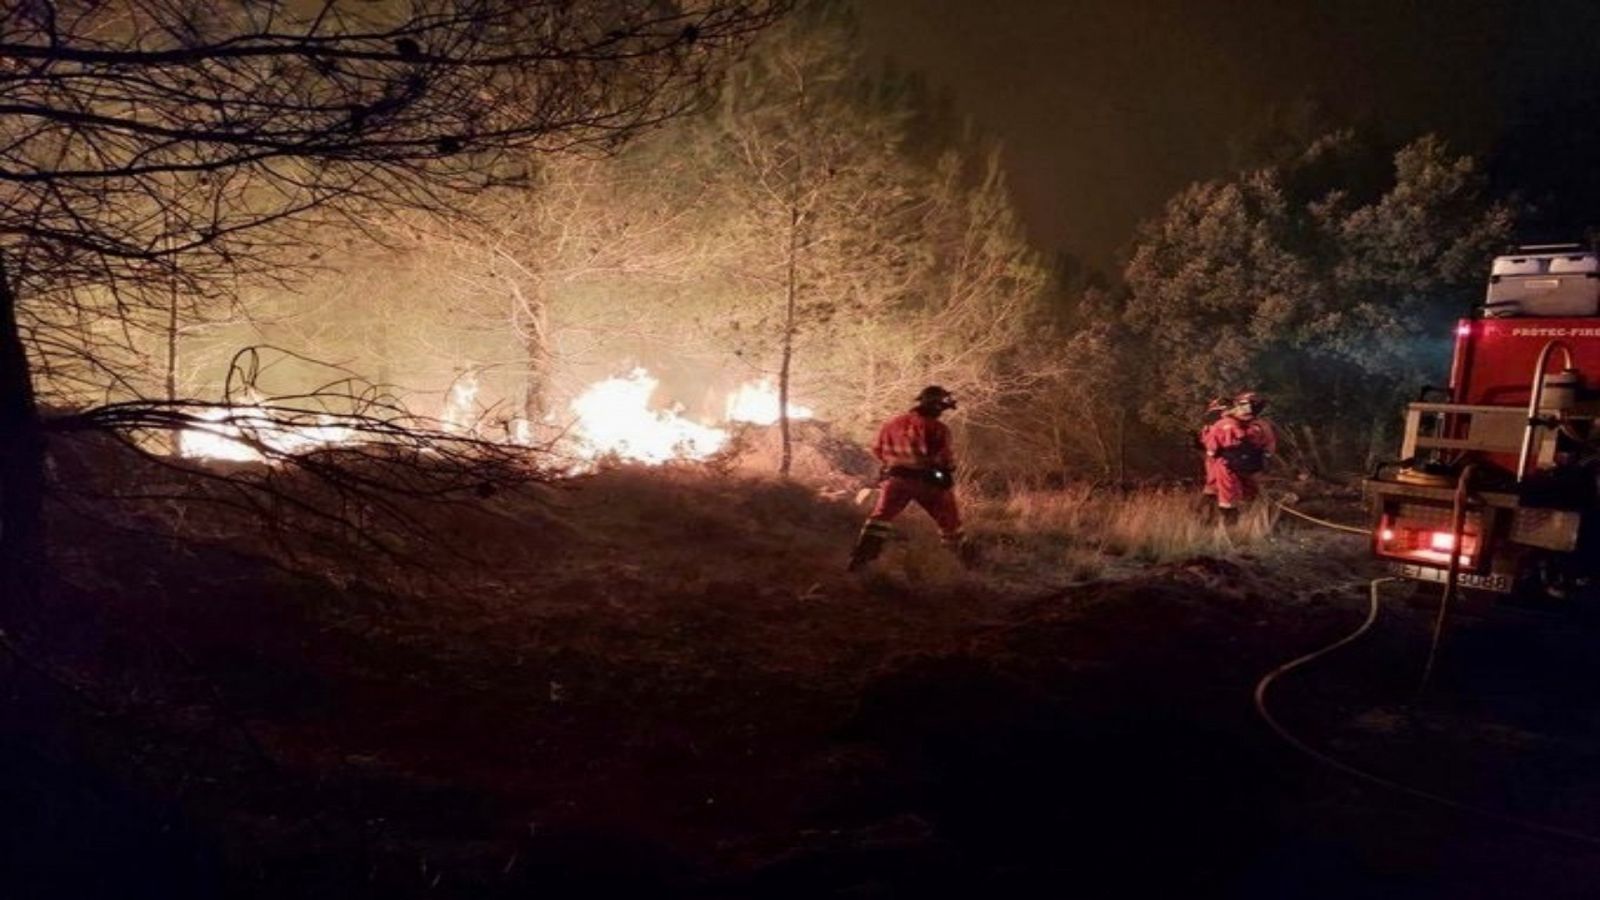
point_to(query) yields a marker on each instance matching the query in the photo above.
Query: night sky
(1107, 107)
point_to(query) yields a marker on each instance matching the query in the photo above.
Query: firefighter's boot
(868, 546)
(873, 536)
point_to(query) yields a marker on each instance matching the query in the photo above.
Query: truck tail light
(1427, 544)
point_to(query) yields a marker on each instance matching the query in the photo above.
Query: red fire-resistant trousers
(1229, 487)
(898, 491)
(1214, 473)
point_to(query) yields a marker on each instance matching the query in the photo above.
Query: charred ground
(660, 684)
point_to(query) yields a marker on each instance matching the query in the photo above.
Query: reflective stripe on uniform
(877, 528)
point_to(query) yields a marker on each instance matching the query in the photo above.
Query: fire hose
(1360, 774)
(1458, 520)
(1457, 525)
(1323, 522)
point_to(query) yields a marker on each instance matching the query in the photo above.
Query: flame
(232, 431)
(756, 403)
(614, 418)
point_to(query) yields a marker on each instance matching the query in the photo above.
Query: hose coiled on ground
(1339, 765)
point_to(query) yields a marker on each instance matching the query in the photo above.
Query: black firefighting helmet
(936, 397)
(1250, 403)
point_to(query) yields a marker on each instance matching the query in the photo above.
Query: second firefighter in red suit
(918, 460)
(1238, 446)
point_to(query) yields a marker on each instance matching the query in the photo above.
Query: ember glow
(235, 433)
(614, 419)
(756, 403)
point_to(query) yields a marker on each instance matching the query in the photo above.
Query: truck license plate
(1493, 582)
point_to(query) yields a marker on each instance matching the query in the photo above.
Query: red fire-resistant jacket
(1231, 432)
(915, 441)
(1229, 487)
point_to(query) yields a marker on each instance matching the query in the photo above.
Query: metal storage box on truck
(1544, 284)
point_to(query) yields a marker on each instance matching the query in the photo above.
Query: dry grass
(1152, 525)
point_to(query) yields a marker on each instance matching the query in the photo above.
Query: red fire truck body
(1504, 474)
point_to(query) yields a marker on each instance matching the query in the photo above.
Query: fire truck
(1496, 486)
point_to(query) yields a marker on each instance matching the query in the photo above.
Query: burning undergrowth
(349, 468)
(411, 520)
(623, 419)
(374, 506)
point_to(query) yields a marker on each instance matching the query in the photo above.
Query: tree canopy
(1281, 280)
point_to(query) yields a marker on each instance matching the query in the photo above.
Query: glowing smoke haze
(756, 403)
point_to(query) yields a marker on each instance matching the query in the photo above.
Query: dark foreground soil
(729, 718)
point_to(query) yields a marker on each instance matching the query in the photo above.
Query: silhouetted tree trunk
(791, 288)
(21, 462)
(531, 311)
(171, 380)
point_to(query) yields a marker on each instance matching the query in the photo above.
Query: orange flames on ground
(239, 434)
(615, 420)
(611, 419)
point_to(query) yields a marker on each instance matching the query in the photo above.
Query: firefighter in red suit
(1238, 446)
(1214, 411)
(915, 451)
